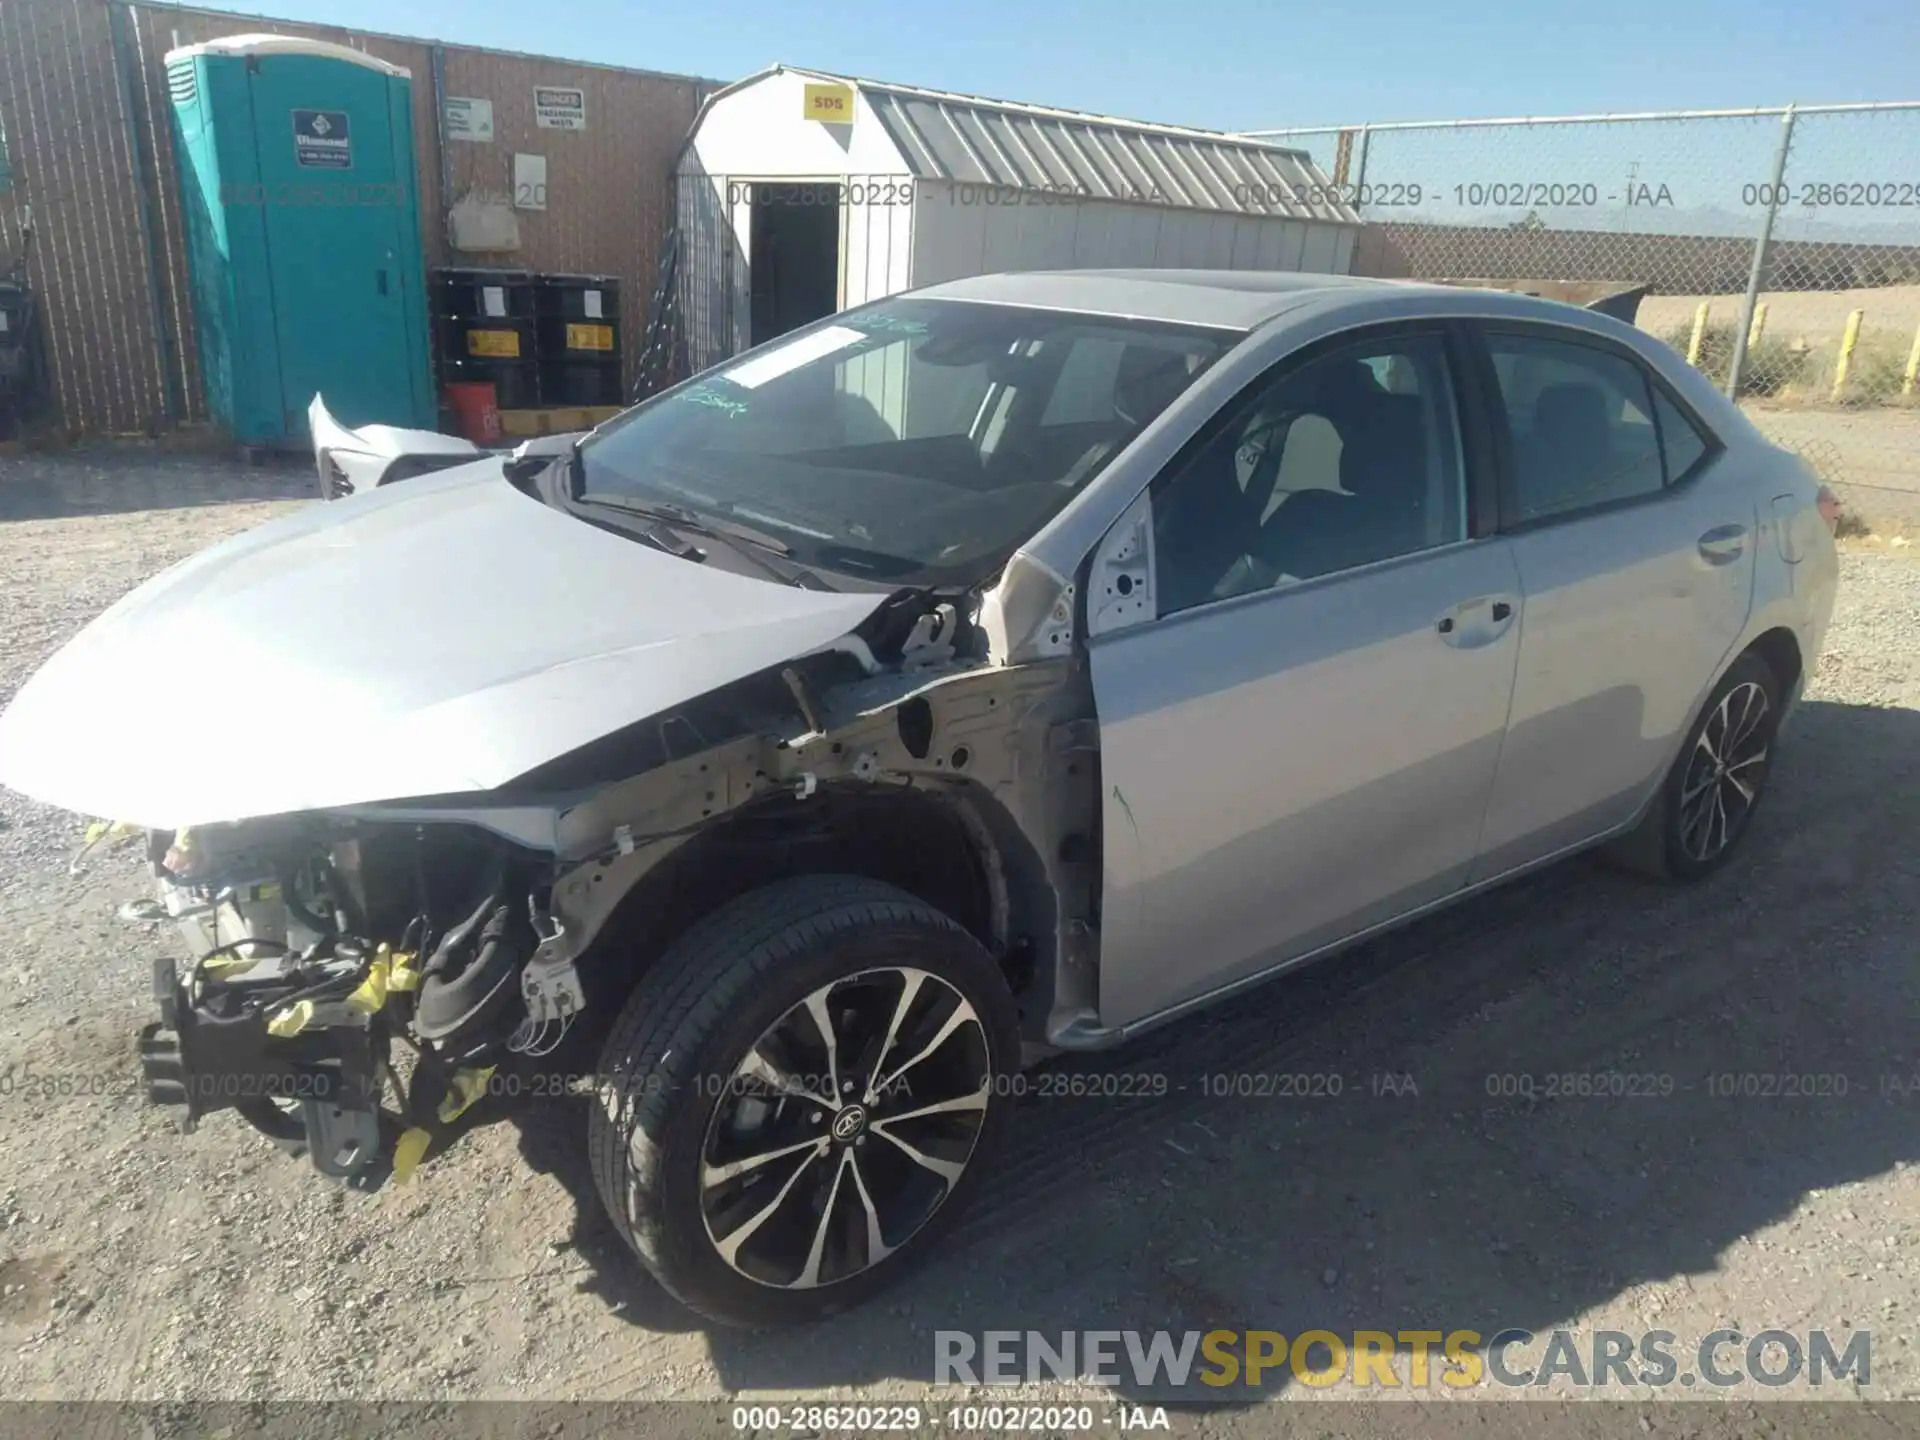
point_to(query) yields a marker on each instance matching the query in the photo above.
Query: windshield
(911, 441)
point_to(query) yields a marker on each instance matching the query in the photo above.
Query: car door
(1299, 732)
(1635, 550)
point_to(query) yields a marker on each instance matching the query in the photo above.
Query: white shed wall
(947, 232)
(760, 131)
(957, 234)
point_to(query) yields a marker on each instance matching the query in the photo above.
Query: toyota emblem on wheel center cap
(849, 1122)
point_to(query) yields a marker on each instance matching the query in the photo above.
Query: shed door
(337, 238)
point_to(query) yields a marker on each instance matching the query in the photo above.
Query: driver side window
(1346, 459)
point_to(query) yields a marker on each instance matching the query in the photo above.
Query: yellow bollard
(1849, 338)
(1758, 328)
(1913, 365)
(1699, 334)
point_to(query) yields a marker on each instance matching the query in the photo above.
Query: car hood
(436, 637)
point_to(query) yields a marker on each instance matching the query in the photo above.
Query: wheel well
(903, 836)
(1781, 651)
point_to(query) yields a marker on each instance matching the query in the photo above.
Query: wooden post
(1849, 338)
(1759, 326)
(1699, 333)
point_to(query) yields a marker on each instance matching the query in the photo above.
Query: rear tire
(1707, 802)
(749, 1194)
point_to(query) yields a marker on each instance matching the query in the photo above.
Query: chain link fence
(1777, 249)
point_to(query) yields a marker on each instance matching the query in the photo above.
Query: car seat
(1383, 510)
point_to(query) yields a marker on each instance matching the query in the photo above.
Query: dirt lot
(1816, 316)
(1870, 453)
(136, 1263)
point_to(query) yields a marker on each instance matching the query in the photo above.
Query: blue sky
(1234, 64)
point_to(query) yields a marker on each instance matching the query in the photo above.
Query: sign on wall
(469, 119)
(830, 104)
(529, 182)
(322, 139)
(559, 108)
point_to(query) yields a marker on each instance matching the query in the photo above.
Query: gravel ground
(136, 1263)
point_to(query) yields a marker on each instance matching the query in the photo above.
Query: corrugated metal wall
(83, 104)
(958, 230)
(70, 138)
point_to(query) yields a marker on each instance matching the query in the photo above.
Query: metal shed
(802, 193)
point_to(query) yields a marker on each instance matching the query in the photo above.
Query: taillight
(1829, 504)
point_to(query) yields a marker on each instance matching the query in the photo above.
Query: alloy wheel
(844, 1128)
(1725, 773)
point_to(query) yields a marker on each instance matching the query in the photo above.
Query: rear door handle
(1723, 544)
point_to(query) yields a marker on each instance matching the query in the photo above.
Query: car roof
(1229, 299)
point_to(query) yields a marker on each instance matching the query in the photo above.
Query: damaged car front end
(321, 942)
(494, 753)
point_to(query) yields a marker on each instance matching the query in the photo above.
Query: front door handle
(1476, 622)
(1723, 544)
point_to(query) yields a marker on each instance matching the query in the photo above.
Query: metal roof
(972, 140)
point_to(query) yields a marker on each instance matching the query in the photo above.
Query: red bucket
(475, 406)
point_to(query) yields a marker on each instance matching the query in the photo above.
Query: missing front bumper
(316, 1091)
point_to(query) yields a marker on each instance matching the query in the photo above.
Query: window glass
(902, 442)
(1083, 393)
(1581, 422)
(1680, 438)
(1347, 459)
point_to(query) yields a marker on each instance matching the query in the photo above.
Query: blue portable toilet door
(342, 238)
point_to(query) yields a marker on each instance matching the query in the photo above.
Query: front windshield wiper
(665, 512)
(771, 552)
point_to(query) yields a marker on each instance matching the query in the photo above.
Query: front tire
(1707, 802)
(800, 1096)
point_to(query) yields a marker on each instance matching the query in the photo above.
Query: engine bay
(354, 986)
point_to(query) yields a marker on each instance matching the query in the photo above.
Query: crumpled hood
(434, 637)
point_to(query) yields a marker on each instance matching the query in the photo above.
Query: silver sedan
(994, 670)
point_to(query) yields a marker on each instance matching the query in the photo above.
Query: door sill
(1084, 1032)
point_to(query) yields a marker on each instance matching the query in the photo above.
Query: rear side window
(1581, 421)
(1681, 442)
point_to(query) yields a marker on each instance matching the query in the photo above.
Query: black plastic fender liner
(472, 978)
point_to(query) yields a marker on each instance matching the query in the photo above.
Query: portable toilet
(302, 215)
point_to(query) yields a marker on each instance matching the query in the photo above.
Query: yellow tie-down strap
(463, 1093)
(390, 973)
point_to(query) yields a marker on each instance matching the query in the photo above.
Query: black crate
(472, 337)
(585, 382)
(515, 382)
(494, 294)
(563, 339)
(578, 297)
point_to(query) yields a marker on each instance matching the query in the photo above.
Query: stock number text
(1865, 194)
